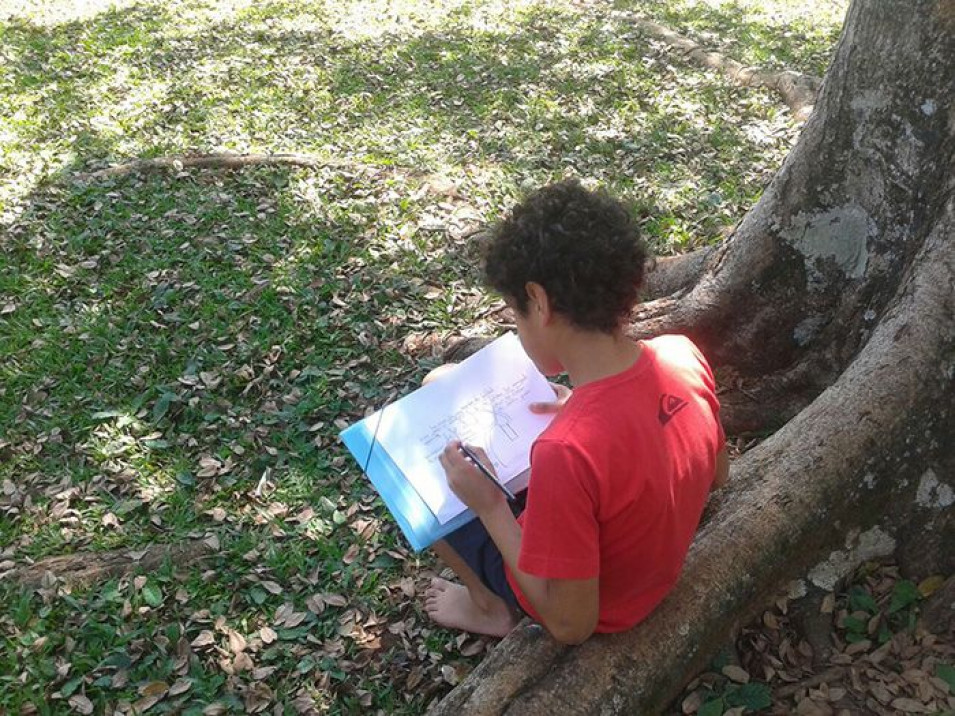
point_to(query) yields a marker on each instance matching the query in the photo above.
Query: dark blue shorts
(477, 549)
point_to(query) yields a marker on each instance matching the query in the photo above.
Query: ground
(180, 349)
(861, 649)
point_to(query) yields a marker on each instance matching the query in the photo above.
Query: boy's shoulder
(674, 346)
(678, 352)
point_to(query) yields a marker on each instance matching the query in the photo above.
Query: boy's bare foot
(451, 605)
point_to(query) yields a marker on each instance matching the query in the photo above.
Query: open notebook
(483, 402)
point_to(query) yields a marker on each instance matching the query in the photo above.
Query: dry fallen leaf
(909, 706)
(808, 707)
(236, 641)
(271, 586)
(205, 638)
(736, 673)
(473, 648)
(263, 672)
(692, 703)
(828, 604)
(294, 619)
(154, 688)
(315, 604)
(836, 693)
(267, 634)
(180, 686)
(242, 662)
(449, 674)
(257, 698)
(928, 586)
(81, 704)
(146, 703)
(283, 613)
(351, 554)
(334, 600)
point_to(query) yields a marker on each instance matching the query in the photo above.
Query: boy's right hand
(562, 394)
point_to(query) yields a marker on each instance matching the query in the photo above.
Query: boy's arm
(568, 608)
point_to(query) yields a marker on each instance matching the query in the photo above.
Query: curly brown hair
(584, 248)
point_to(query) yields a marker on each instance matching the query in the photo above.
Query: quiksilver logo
(670, 405)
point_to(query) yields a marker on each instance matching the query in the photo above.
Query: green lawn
(178, 351)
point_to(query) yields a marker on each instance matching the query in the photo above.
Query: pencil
(487, 473)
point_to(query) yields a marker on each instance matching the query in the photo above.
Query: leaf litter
(879, 657)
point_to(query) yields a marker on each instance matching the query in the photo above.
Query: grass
(178, 351)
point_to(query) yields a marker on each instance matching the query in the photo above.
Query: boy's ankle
(483, 601)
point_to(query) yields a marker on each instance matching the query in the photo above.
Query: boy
(620, 477)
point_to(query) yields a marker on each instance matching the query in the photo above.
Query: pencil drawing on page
(484, 403)
(484, 422)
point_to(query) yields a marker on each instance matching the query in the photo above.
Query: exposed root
(768, 402)
(752, 401)
(210, 161)
(87, 568)
(670, 274)
(797, 90)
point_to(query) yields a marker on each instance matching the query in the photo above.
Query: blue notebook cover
(414, 518)
(491, 384)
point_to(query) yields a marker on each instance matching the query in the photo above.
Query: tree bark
(831, 313)
(674, 274)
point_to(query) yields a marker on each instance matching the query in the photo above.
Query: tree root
(938, 612)
(210, 161)
(797, 90)
(87, 568)
(671, 274)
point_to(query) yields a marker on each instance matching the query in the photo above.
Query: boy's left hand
(467, 482)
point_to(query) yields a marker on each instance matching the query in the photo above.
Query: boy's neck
(588, 356)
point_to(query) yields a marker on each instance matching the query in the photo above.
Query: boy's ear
(539, 303)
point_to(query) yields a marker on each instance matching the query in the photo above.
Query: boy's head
(583, 247)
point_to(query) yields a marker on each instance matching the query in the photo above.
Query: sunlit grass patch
(781, 34)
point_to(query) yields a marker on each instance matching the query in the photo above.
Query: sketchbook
(483, 402)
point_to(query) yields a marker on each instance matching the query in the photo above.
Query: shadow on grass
(128, 290)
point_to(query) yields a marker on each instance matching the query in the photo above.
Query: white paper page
(483, 402)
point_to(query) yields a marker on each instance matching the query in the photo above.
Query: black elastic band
(374, 438)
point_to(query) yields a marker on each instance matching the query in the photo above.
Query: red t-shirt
(619, 480)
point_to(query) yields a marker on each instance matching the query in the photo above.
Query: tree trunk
(830, 313)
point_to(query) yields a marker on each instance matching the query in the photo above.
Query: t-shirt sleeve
(561, 535)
